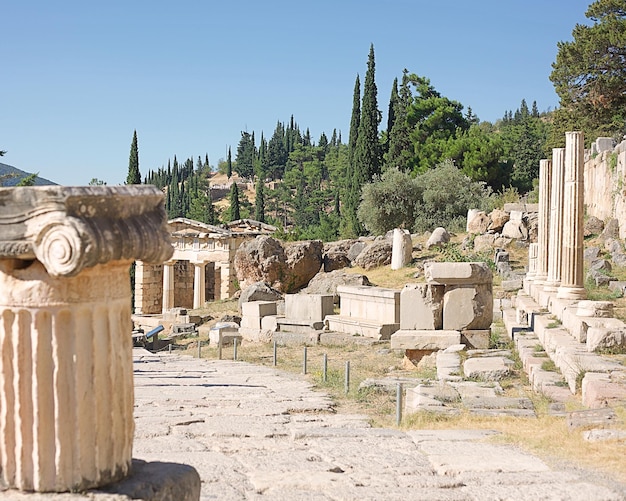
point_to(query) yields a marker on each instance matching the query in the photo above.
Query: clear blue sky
(77, 77)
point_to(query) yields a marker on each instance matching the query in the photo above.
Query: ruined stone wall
(148, 288)
(605, 184)
(183, 284)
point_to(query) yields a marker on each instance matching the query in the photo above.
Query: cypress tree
(354, 120)
(351, 199)
(367, 151)
(229, 165)
(234, 202)
(134, 176)
(259, 202)
(211, 216)
(391, 113)
(399, 136)
(365, 159)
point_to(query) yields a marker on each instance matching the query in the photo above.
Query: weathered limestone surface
(64, 229)
(253, 313)
(402, 249)
(602, 175)
(572, 265)
(545, 187)
(468, 308)
(424, 339)
(366, 311)
(66, 394)
(555, 237)
(312, 307)
(421, 307)
(457, 273)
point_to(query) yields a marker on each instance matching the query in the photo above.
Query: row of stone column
(557, 258)
(199, 285)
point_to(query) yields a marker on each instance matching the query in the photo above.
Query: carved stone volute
(71, 228)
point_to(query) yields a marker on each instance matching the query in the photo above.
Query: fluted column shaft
(555, 239)
(199, 285)
(572, 272)
(545, 186)
(66, 377)
(168, 286)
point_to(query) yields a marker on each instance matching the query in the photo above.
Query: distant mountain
(10, 176)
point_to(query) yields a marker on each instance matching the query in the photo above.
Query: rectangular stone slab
(258, 308)
(458, 273)
(424, 339)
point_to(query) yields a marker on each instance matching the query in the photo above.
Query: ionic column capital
(69, 229)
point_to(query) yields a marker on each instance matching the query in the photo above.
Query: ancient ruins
(201, 268)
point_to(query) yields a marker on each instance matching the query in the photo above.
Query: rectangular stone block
(468, 308)
(313, 307)
(269, 322)
(421, 307)
(258, 308)
(476, 339)
(424, 339)
(228, 334)
(360, 327)
(375, 304)
(458, 273)
(250, 322)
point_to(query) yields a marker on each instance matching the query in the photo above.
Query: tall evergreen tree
(366, 159)
(234, 211)
(277, 152)
(259, 202)
(400, 149)
(134, 176)
(229, 165)
(589, 75)
(355, 120)
(246, 153)
(367, 153)
(391, 113)
(349, 222)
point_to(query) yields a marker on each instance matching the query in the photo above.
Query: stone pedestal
(572, 273)
(402, 249)
(66, 375)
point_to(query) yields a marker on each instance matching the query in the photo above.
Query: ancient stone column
(545, 186)
(66, 370)
(555, 238)
(572, 277)
(199, 285)
(401, 251)
(168, 286)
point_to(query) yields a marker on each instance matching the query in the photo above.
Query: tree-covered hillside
(423, 164)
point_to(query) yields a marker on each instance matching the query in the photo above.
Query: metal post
(170, 348)
(347, 385)
(219, 346)
(399, 404)
(304, 361)
(235, 349)
(275, 359)
(325, 372)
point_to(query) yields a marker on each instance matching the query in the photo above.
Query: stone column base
(147, 481)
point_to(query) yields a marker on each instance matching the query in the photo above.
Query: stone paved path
(257, 433)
